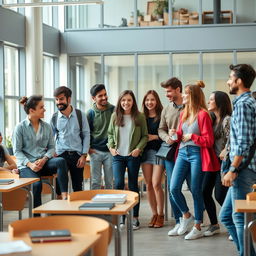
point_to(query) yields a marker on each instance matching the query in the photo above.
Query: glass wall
(82, 17)
(152, 70)
(119, 75)
(85, 72)
(48, 68)
(11, 88)
(118, 13)
(246, 11)
(216, 71)
(248, 58)
(186, 67)
(47, 14)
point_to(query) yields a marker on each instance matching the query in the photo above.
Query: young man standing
(99, 118)
(72, 133)
(169, 120)
(242, 173)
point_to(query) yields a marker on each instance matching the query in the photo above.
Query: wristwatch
(233, 169)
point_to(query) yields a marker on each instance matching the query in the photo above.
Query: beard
(233, 90)
(62, 106)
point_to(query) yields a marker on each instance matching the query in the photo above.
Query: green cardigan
(139, 133)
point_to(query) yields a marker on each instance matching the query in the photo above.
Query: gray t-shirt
(192, 128)
(124, 136)
(6, 153)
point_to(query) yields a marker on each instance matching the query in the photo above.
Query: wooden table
(18, 183)
(79, 245)
(248, 208)
(72, 207)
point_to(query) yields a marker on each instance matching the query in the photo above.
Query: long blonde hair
(196, 101)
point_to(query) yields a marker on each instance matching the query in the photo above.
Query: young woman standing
(151, 166)
(220, 107)
(127, 137)
(195, 156)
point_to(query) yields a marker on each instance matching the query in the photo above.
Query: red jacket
(210, 162)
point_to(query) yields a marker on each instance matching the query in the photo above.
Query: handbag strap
(249, 159)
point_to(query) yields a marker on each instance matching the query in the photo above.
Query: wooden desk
(248, 208)
(18, 183)
(79, 245)
(72, 207)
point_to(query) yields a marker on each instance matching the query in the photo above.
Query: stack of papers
(18, 247)
(111, 198)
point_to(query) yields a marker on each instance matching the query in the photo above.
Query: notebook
(96, 206)
(112, 198)
(6, 181)
(57, 235)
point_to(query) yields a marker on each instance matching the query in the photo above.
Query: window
(119, 75)
(48, 69)
(248, 58)
(84, 16)
(152, 70)
(11, 88)
(216, 71)
(186, 67)
(47, 14)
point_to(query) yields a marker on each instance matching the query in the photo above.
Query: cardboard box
(176, 15)
(184, 21)
(156, 23)
(148, 17)
(193, 21)
(175, 22)
(144, 23)
(166, 18)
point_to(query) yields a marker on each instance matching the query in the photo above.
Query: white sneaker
(174, 231)
(212, 230)
(194, 234)
(230, 238)
(184, 225)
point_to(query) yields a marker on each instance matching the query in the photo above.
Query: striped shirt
(243, 128)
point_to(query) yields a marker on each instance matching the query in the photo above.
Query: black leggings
(211, 180)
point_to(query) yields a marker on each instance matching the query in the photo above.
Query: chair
(252, 228)
(20, 195)
(76, 224)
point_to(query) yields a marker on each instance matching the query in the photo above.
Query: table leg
(248, 217)
(1, 214)
(31, 200)
(130, 245)
(118, 248)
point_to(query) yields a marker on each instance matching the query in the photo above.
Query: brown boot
(152, 221)
(159, 222)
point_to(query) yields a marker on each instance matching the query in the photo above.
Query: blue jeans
(97, 160)
(234, 221)
(188, 164)
(169, 165)
(120, 163)
(54, 165)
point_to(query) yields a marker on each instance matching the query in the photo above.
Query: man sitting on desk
(33, 146)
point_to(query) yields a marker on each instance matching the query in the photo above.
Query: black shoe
(135, 224)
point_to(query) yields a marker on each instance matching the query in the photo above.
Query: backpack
(79, 117)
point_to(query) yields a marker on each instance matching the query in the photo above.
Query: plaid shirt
(243, 128)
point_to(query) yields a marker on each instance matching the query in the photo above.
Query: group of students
(121, 137)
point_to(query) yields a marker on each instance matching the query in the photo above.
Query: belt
(71, 152)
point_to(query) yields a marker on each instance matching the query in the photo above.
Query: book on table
(112, 198)
(6, 181)
(96, 206)
(56, 235)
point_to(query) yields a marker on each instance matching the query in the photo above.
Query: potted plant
(8, 144)
(161, 7)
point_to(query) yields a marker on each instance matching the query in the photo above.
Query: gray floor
(148, 241)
